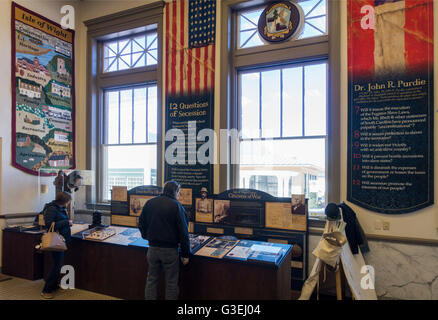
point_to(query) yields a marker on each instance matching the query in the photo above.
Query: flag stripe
(197, 70)
(213, 65)
(189, 71)
(419, 30)
(181, 15)
(167, 49)
(177, 45)
(193, 78)
(361, 42)
(204, 68)
(174, 73)
(389, 38)
(186, 41)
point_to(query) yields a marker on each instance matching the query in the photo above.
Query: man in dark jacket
(163, 223)
(56, 212)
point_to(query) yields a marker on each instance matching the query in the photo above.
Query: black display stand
(236, 212)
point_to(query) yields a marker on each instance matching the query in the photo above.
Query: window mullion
(281, 102)
(147, 114)
(132, 115)
(130, 42)
(260, 105)
(118, 95)
(304, 100)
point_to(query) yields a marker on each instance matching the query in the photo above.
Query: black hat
(332, 211)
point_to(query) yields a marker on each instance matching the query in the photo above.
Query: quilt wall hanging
(43, 93)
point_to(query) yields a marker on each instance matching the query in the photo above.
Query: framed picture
(204, 210)
(185, 196)
(136, 204)
(221, 208)
(298, 204)
(119, 193)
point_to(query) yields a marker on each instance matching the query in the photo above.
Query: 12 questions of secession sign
(42, 93)
(390, 105)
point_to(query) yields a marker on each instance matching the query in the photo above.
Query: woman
(56, 211)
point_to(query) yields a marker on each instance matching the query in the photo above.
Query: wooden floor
(21, 289)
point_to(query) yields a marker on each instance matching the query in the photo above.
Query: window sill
(99, 206)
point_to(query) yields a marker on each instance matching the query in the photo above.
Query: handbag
(53, 241)
(330, 247)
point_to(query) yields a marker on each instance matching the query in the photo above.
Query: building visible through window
(130, 151)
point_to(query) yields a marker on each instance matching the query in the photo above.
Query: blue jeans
(53, 275)
(159, 259)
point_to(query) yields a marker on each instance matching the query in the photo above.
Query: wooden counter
(121, 270)
(19, 256)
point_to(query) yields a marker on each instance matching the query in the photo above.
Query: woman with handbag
(56, 218)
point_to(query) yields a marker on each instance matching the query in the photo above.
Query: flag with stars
(190, 46)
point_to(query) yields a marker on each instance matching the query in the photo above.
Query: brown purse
(53, 241)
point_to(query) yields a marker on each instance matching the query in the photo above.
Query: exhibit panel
(255, 215)
(126, 205)
(391, 106)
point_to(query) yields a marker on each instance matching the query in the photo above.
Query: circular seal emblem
(280, 21)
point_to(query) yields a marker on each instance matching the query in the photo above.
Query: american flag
(401, 41)
(190, 50)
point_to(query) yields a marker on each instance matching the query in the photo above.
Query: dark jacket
(163, 223)
(354, 232)
(53, 212)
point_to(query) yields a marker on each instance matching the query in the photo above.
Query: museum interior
(286, 125)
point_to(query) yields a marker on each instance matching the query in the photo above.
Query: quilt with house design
(43, 102)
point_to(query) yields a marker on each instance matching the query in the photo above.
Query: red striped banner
(188, 70)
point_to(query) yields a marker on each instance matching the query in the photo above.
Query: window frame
(105, 117)
(119, 25)
(275, 68)
(131, 37)
(326, 47)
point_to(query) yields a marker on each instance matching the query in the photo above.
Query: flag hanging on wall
(390, 105)
(43, 93)
(190, 27)
(190, 46)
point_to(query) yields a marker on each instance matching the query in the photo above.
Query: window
(268, 184)
(130, 150)
(124, 90)
(128, 53)
(315, 23)
(283, 129)
(283, 103)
